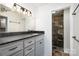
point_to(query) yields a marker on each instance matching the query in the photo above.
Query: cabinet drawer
(11, 48)
(40, 37)
(29, 49)
(40, 43)
(30, 54)
(29, 41)
(20, 53)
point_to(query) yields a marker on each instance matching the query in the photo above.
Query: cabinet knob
(74, 37)
(40, 42)
(30, 42)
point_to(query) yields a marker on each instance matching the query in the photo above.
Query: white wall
(44, 23)
(30, 23)
(74, 30)
(67, 30)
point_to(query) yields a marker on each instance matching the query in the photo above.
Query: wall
(74, 30)
(31, 24)
(44, 23)
(67, 30)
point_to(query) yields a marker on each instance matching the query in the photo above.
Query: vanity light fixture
(22, 9)
(14, 6)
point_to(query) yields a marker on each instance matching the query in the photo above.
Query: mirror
(3, 24)
(16, 22)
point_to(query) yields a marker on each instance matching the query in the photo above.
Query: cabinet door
(40, 51)
(40, 43)
(40, 48)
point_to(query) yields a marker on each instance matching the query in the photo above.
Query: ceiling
(34, 4)
(26, 4)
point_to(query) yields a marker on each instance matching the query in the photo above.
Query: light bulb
(24, 12)
(28, 13)
(14, 8)
(18, 8)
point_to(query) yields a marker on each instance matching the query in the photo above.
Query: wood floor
(59, 53)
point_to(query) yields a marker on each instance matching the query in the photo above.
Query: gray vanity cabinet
(32, 46)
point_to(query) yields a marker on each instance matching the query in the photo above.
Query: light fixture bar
(22, 8)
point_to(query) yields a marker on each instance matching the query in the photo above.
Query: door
(76, 32)
(58, 31)
(40, 48)
(40, 51)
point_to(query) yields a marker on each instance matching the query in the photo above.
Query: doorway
(57, 32)
(61, 32)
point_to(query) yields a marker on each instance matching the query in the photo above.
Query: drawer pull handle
(40, 42)
(12, 49)
(30, 41)
(29, 49)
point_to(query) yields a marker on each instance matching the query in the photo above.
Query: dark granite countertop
(6, 34)
(7, 37)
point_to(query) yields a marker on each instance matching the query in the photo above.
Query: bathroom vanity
(29, 43)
